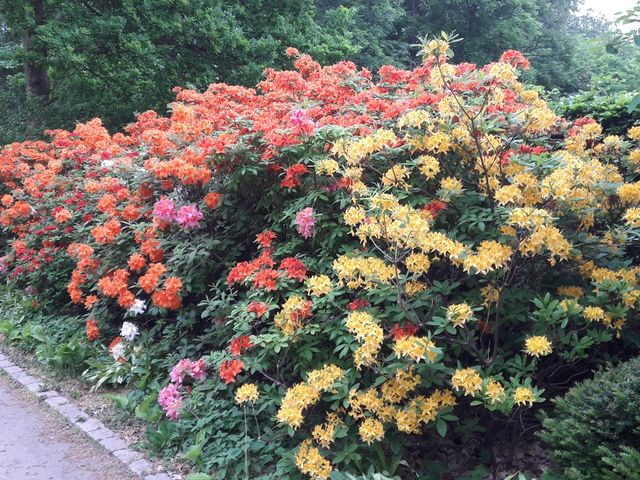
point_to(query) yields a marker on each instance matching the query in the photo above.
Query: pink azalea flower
(179, 370)
(305, 221)
(170, 400)
(198, 370)
(300, 120)
(165, 209)
(189, 216)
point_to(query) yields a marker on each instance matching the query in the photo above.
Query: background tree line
(65, 61)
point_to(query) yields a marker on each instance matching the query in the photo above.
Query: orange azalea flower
(150, 249)
(126, 299)
(137, 262)
(80, 250)
(93, 332)
(149, 281)
(90, 301)
(212, 199)
(62, 216)
(107, 203)
(165, 299)
(130, 213)
(92, 186)
(122, 194)
(115, 284)
(173, 284)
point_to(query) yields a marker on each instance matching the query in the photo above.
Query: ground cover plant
(329, 274)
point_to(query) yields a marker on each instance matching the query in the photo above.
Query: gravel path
(36, 444)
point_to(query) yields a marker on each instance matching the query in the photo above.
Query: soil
(37, 444)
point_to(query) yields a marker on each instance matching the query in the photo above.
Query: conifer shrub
(593, 432)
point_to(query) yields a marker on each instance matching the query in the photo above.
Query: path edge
(90, 426)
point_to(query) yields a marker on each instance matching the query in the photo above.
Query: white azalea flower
(138, 307)
(117, 351)
(128, 331)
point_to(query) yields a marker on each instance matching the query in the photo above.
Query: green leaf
(193, 453)
(633, 104)
(198, 476)
(441, 427)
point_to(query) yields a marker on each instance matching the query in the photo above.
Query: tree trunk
(413, 7)
(35, 67)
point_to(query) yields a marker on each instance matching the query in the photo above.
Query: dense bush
(611, 111)
(349, 269)
(594, 428)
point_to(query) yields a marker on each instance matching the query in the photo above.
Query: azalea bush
(345, 269)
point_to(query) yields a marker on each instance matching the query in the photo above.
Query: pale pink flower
(170, 400)
(305, 221)
(165, 209)
(189, 216)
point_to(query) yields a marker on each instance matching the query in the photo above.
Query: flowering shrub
(369, 260)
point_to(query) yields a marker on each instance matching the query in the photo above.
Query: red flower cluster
(230, 369)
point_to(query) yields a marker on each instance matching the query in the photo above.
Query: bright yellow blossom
(247, 393)
(523, 396)
(371, 430)
(538, 346)
(466, 379)
(318, 285)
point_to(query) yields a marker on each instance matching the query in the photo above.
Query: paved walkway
(37, 445)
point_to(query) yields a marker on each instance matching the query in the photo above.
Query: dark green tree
(373, 26)
(112, 58)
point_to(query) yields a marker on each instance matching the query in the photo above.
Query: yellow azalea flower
(416, 348)
(417, 263)
(354, 216)
(310, 462)
(634, 133)
(495, 391)
(327, 167)
(429, 166)
(538, 346)
(570, 291)
(466, 379)
(459, 314)
(396, 177)
(366, 331)
(247, 393)
(451, 184)
(593, 314)
(632, 217)
(371, 430)
(629, 192)
(524, 396)
(318, 285)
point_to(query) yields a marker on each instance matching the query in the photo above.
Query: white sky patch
(609, 8)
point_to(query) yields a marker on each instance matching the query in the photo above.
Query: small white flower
(128, 331)
(138, 307)
(117, 351)
(107, 163)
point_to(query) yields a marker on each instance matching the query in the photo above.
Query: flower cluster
(383, 235)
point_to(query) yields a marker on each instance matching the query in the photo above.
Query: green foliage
(594, 427)
(373, 27)
(539, 28)
(611, 111)
(54, 339)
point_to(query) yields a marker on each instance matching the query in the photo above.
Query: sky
(608, 8)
